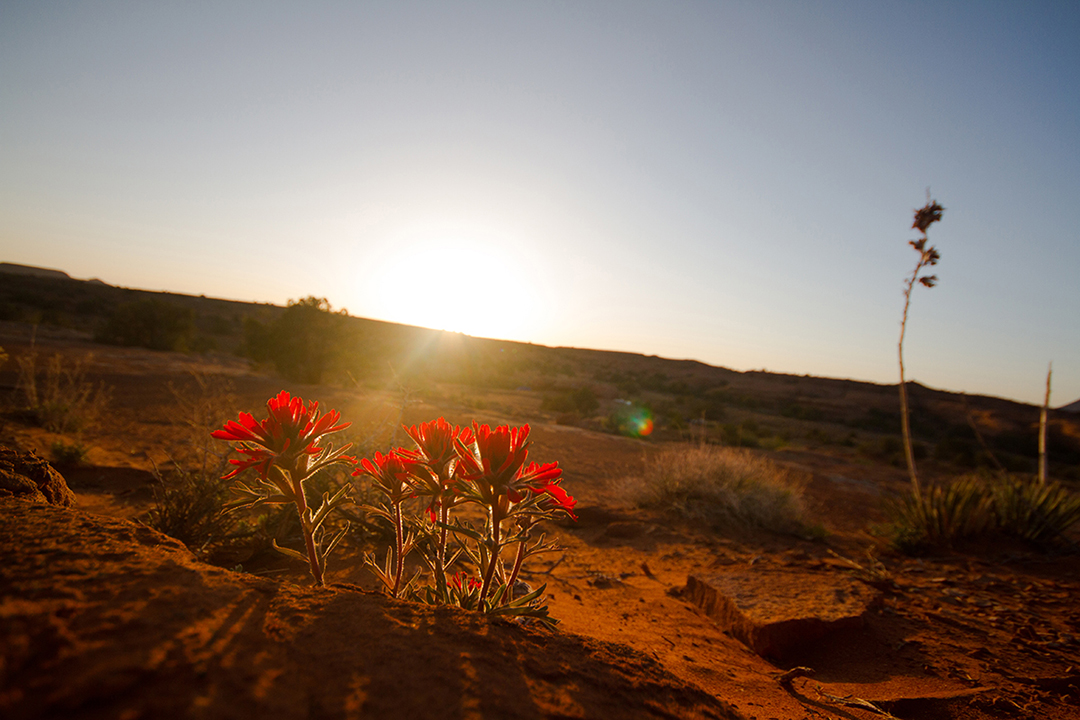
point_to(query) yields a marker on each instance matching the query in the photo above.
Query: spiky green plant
(941, 515)
(1041, 514)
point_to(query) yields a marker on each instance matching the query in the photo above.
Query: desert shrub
(304, 343)
(66, 454)
(741, 435)
(801, 412)
(1040, 514)
(149, 323)
(188, 506)
(201, 405)
(939, 516)
(60, 397)
(958, 450)
(723, 486)
(982, 506)
(890, 449)
(582, 401)
(188, 499)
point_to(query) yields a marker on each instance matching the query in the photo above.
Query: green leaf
(526, 599)
(457, 529)
(287, 551)
(337, 539)
(497, 595)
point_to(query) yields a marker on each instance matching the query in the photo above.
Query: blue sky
(730, 181)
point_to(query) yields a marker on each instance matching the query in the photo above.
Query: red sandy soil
(104, 618)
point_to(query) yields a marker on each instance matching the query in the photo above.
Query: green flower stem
(309, 541)
(399, 546)
(518, 560)
(298, 475)
(496, 525)
(440, 551)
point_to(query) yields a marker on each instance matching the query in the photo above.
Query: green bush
(723, 486)
(67, 454)
(304, 343)
(150, 323)
(746, 434)
(582, 401)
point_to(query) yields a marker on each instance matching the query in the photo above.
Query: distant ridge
(1071, 407)
(15, 269)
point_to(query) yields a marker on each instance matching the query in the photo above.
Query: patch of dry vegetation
(59, 395)
(723, 486)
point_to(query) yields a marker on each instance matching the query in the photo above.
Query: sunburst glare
(484, 289)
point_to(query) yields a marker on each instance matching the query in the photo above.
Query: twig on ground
(852, 701)
(874, 573)
(786, 678)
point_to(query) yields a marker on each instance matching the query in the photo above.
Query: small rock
(775, 613)
(24, 474)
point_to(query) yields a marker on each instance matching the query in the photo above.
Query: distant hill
(1071, 407)
(586, 386)
(16, 269)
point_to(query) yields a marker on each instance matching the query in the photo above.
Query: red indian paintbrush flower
(283, 450)
(544, 479)
(435, 443)
(494, 461)
(436, 459)
(491, 456)
(463, 581)
(292, 429)
(393, 473)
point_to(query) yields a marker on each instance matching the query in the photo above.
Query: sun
(479, 288)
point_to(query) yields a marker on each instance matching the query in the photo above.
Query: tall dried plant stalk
(928, 255)
(1042, 427)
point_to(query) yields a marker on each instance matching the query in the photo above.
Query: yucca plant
(1041, 514)
(942, 515)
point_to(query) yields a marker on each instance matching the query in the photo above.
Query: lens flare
(641, 423)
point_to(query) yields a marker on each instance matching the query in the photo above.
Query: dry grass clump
(59, 395)
(723, 486)
(187, 506)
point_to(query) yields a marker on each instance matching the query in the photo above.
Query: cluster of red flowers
(453, 465)
(450, 465)
(477, 463)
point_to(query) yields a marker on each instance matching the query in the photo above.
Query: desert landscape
(670, 602)
(484, 360)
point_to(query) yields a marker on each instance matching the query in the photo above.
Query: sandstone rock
(776, 614)
(26, 475)
(105, 618)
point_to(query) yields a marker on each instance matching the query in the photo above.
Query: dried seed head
(927, 216)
